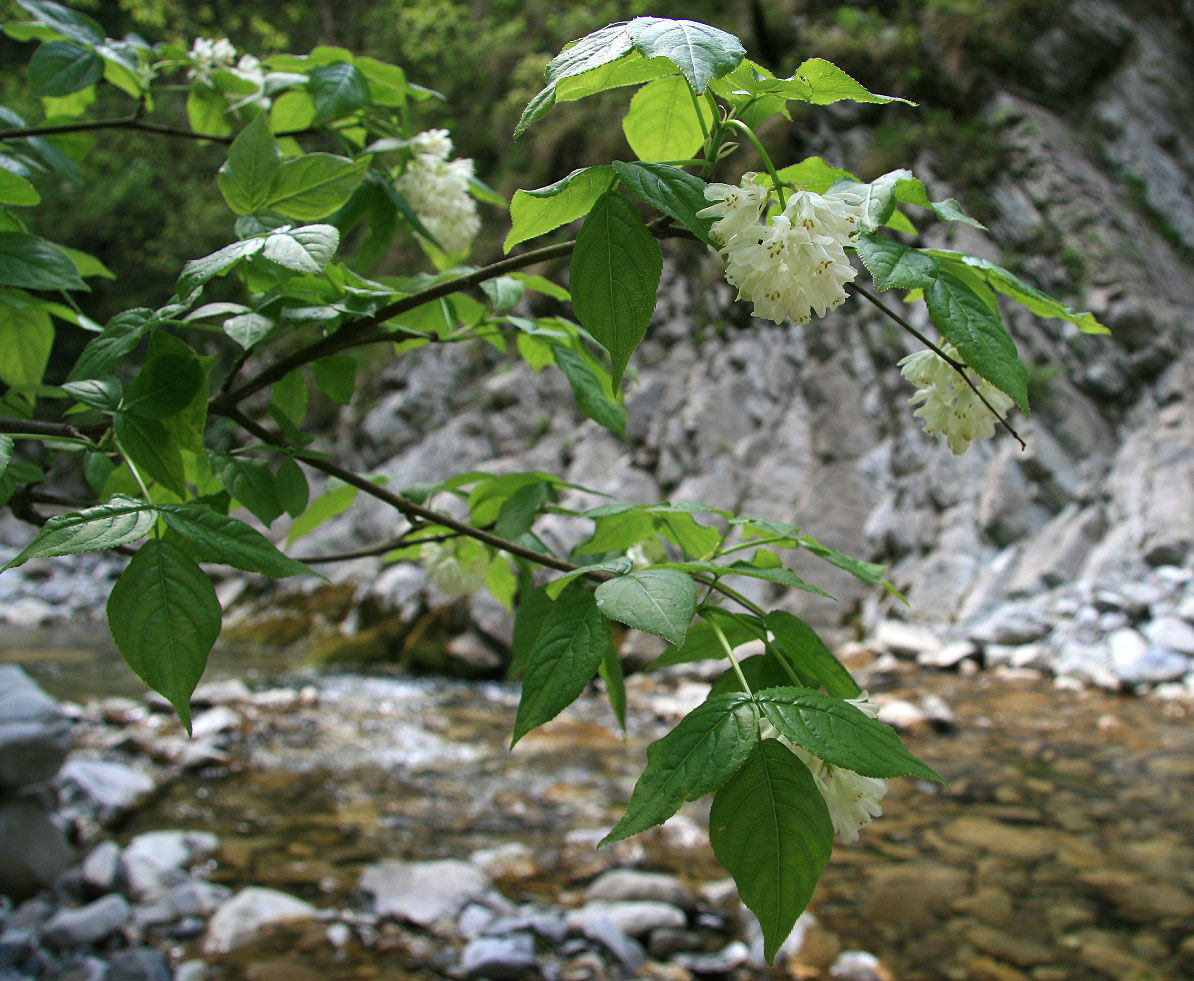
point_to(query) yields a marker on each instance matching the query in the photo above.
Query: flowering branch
(957, 366)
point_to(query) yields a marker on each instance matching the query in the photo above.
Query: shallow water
(1063, 848)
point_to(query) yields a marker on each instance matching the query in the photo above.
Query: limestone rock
(243, 917)
(423, 893)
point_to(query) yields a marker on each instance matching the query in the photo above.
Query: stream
(1062, 850)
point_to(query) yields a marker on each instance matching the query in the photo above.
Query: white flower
(950, 406)
(454, 572)
(794, 265)
(209, 55)
(437, 189)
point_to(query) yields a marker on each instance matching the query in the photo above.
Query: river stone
(153, 862)
(216, 721)
(107, 790)
(35, 736)
(859, 965)
(626, 950)
(423, 892)
(500, 958)
(228, 692)
(1028, 844)
(139, 964)
(33, 850)
(102, 866)
(87, 924)
(1016, 623)
(725, 961)
(633, 917)
(1017, 949)
(243, 917)
(1153, 666)
(1172, 633)
(905, 639)
(628, 884)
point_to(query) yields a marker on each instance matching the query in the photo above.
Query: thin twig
(31, 427)
(123, 122)
(957, 366)
(372, 550)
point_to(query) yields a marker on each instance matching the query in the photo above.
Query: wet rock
(903, 715)
(87, 924)
(1172, 633)
(499, 958)
(1152, 666)
(548, 924)
(35, 736)
(1137, 898)
(197, 897)
(140, 964)
(153, 862)
(905, 639)
(33, 851)
(102, 866)
(600, 930)
(510, 861)
(633, 917)
(1015, 948)
(231, 691)
(991, 905)
(423, 892)
(1015, 623)
(949, 656)
(243, 917)
(989, 969)
(631, 884)
(666, 941)
(1027, 844)
(103, 790)
(731, 957)
(219, 720)
(858, 965)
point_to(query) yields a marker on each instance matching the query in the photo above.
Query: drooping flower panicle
(948, 406)
(794, 265)
(437, 189)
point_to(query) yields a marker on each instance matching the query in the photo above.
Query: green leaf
(870, 573)
(675, 192)
(6, 448)
(198, 271)
(332, 502)
(251, 484)
(682, 529)
(504, 292)
(770, 829)
(630, 69)
(614, 278)
(212, 537)
(618, 567)
(59, 68)
(827, 83)
(521, 508)
(164, 617)
(703, 752)
(314, 185)
(536, 109)
(15, 190)
(74, 25)
(534, 213)
(247, 329)
(118, 522)
(533, 607)
(760, 671)
(814, 174)
(568, 648)
(701, 52)
(26, 338)
(253, 162)
(702, 644)
(291, 112)
(840, 733)
(610, 670)
(207, 111)
(913, 192)
(336, 377)
(808, 653)
(36, 264)
(895, 266)
(292, 487)
(663, 122)
(307, 249)
(591, 396)
(589, 52)
(121, 334)
(164, 386)
(979, 335)
(337, 90)
(149, 445)
(658, 601)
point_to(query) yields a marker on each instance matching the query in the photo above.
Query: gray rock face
(87, 924)
(34, 734)
(423, 892)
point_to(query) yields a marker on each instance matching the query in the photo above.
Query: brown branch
(372, 550)
(957, 366)
(123, 122)
(31, 427)
(363, 331)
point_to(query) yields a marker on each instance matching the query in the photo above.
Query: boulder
(87, 924)
(35, 735)
(33, 851)
(106, 791)
(423, 892)
(243, 917)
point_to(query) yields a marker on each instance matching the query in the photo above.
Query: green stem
(730, 654)
(700, 116)
(738, 124)
(136, 474)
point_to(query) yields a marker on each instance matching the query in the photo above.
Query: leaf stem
(738, 124)
(730, 654)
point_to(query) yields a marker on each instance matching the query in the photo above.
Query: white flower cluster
(951, 407)
(437, 189)
(852, 799)
(209, 55)
(451, 572)
(792, 266)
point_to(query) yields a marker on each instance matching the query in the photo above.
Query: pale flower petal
(437, 189)
(948, 406)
